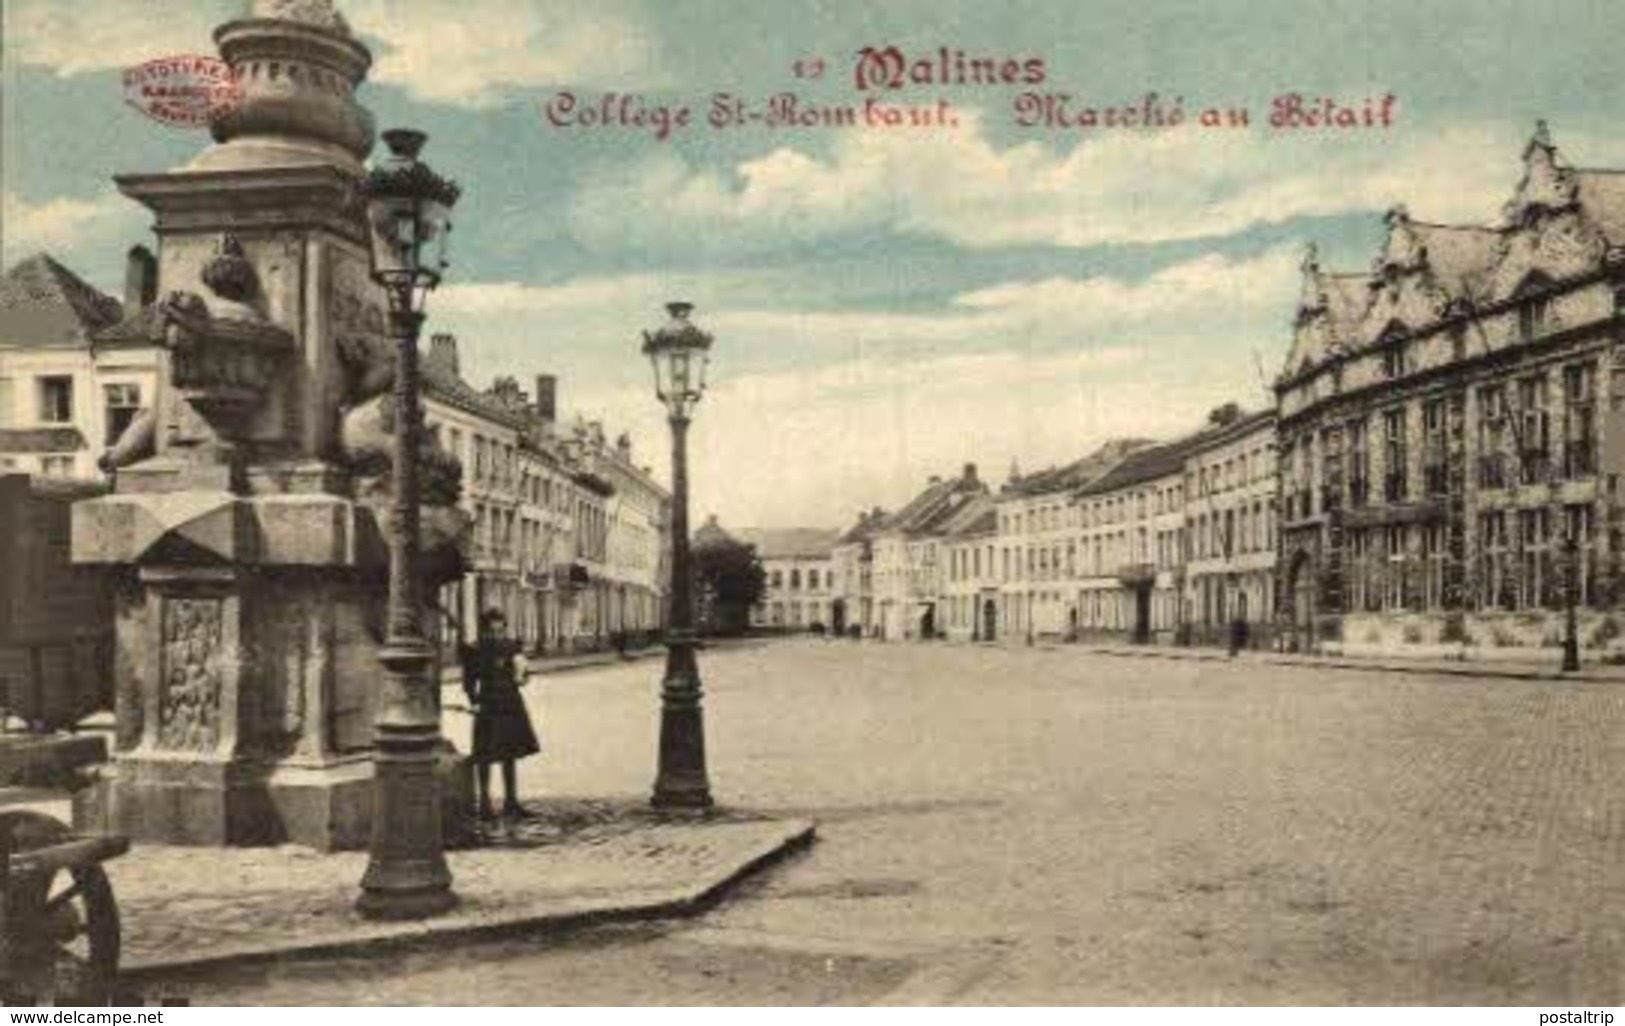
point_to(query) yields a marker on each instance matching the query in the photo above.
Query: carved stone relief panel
(189, 706)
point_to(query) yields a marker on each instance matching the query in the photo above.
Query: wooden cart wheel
(62, 928)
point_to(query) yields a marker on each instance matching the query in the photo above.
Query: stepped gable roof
(1346, 295)
(1459, 256)
(1427, 271)
(43, 303)
(1602, 198)
(1075, 474)
(789, 542)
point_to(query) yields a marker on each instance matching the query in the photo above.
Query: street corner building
(1452, 430)
(569, 533)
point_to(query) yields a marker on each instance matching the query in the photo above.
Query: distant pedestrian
(502, 730)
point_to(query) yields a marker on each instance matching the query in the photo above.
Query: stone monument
(248, 522)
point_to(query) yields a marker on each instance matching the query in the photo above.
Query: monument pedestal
(246, 675)
(245, 527)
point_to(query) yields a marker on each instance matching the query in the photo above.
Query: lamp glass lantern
(408, 220)
(680, 354)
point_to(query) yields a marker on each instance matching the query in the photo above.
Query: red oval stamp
(185, 91)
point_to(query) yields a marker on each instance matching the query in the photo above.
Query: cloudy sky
(887, 304)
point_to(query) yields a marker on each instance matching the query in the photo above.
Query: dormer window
(1393, 360)
(1532, 318)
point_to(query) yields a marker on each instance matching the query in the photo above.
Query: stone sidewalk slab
(576, 863)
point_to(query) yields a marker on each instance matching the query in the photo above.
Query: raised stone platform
(576, 863)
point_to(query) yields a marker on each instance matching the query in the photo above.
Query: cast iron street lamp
(1571, 589)
(679, 353)
(408, 216)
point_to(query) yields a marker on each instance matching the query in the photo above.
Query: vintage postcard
(526, 502)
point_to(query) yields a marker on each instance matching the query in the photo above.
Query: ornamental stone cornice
(280, 198)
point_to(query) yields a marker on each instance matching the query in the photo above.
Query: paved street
(1044, 826)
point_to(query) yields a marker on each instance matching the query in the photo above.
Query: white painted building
(909, 557)
(1230, 514)
(802, 585)
(75, 373)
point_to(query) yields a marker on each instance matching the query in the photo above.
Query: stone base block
(327, 807)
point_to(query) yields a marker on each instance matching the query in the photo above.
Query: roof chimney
(443, 350)
(936, 479)
(970, 473)
(140, 279)
(547, 397)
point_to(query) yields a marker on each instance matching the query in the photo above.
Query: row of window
(1221, 534)
(54, 404)
(1515, 444)
(815, 580)
(1523, 563)
(793, 614)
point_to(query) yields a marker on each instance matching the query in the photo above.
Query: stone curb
(673, 903)
(1463, 669)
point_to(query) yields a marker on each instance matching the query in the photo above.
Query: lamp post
(1571, 625)
(679, 353)
(408, 217)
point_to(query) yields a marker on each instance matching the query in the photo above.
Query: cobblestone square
(1043, 825)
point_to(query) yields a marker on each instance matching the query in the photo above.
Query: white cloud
(81, 232)
(814, 414)
(469, 52)
(466, 53)
(957, 185)
(97, 35)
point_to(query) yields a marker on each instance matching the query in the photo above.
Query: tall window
(1492, 426)
(1359, 569)
(1577, 525)
(1496, 578)
(123, 402)
(1433, 555)
(1434, 474)
(1393, 422)
(1359, 464)
(1580, 420)
(1534, 428)
(1397, 571)
(1532, 319)
(1536, 583)
(56, 399)
(1393, 360)
(1306, 459)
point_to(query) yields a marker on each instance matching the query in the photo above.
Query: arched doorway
(837, 616)
(990, 620)
(1301, 586)
(928, 623)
